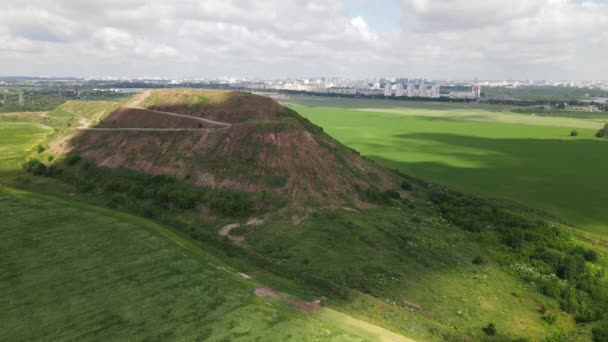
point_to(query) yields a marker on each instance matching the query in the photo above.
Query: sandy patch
(225, 231)
(266, 292)
(255, 222)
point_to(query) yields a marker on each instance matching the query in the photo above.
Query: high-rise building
(387, 90)
(476, 91)
(399, 90)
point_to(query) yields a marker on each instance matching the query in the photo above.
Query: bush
(392, 194)
(35, 167)
(374, 195)
(590, 255)
(40, 148)
(602, 133)
(574, 133)
(230, 203)
(550, 318)
(479, 260)
(72, 159)
(53, 171)
(490, 329)
(600, 333)
(407, 186)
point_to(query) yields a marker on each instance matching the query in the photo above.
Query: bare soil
(289, 160)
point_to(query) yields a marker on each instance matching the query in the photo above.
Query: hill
(232, 140)
(424, 261)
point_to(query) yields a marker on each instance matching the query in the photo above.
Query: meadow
(528, 159)
(429, 267)
(76, 271)
(16, 138)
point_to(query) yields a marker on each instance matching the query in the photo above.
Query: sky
(434, 39)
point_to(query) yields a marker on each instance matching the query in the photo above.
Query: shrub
(571, 268)
(53, 171)
(602, 133)
(405, 185)
(35, 167)
(600, 333)
(72, 159)
(590, 255)
(574, 133)
(137, 191)
(550, 318)
(84, 185)
(374, 195)
(479, 260)
(230, 203)
(392, 194)
(40, 148)
(490, 329)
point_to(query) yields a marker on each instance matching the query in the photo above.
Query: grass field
(535, 165)
(79, 272)
(16, 138)
(72, 271)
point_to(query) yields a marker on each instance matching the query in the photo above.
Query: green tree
(602, 133)
(490, 329)
(600, 334)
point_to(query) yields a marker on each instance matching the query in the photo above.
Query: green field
(16, 138)
(77, 266)
(72, 271)
(83, 273)
(493, 154)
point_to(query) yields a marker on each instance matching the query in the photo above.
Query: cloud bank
(557, 39)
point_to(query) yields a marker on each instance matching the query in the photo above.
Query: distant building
(399, 90)
(475, 93)
(388, 91)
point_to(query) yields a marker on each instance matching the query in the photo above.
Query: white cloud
(273, 38)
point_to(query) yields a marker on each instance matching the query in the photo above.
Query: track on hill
(135, 104)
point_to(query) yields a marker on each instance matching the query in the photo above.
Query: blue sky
(380, 15)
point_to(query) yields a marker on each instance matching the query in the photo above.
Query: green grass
(563, 113)
(75, 272)
(413, 271)
(16, 138)
(539, 166)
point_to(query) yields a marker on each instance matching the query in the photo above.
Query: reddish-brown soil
(230, 107)
(280, 154)
(142, 118)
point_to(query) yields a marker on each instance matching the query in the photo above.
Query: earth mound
(232, 140)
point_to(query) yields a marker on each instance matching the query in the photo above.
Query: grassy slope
(16, 138)
(538, 166)
(460, 300)
(119, 275)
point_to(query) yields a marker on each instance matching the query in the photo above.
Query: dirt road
(136, 104)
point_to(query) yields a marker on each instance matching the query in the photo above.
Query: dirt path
(136, 104)
(225, 231)
(138, 99)
(148, 129)
(212, 122)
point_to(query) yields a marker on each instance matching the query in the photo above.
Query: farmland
(483, 150)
